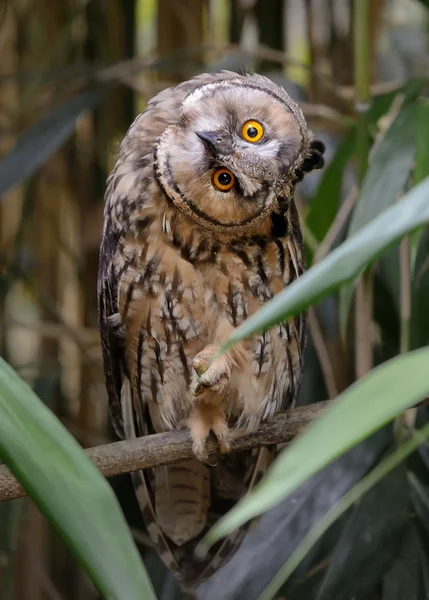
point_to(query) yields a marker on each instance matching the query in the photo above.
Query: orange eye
(223, 179)
(252, 131)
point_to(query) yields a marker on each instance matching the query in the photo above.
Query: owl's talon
(222, 433)
(199, 367)
(208, 373)
(224, 447)
(216, 379)
(197, 390)
(203, 360)
(200, 452)
(199, 387)
(205, 380)
(202, 457)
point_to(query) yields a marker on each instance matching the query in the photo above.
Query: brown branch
(175, 446)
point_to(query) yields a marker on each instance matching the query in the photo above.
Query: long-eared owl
(200, 231)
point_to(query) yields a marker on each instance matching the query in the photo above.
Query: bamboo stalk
(364, 291)
(405, 421)
(405, 294)
(362, 81)
(325, 358)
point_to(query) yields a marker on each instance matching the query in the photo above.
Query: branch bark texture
(126, 456)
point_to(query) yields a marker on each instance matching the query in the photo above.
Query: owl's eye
(252, 131)
(223, 179)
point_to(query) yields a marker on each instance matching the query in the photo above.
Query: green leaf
(42, 139)
(420, 498)
(388, 170)
(403, 579)
(389, 267)
(382, 103)
(361, 488)
(324, 204)
(344, 264)
(363, 408)
(368, 540)
(282, 529)
(69, 491)
(380, 106)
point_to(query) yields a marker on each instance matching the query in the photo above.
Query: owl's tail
(182, 500)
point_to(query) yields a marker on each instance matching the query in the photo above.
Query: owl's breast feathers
(173, 299)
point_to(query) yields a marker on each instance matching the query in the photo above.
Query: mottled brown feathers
(181, 264)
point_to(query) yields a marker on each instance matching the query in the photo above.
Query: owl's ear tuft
(318, 145)
(315, 159)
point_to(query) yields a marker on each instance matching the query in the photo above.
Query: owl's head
(236, 154)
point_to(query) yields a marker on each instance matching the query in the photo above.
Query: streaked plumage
(181, 264)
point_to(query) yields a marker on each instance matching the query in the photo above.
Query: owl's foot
(210, 371)
(199, 450)
(202, 419)
(221, 430)
(199, 426)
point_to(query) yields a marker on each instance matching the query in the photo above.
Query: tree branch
(175, 446)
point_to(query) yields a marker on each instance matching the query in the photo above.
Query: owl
(200, 231)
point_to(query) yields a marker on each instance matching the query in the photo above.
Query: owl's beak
(209, 138)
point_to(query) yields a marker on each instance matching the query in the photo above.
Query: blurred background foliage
(73, 74)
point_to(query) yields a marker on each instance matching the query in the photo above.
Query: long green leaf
(69, 490)
(325, 201)
(403, 579)
(389, 169)
(361, 488)
(385, 180)
(363, 408)
(381, 513)
(343, 264)
(389, 267)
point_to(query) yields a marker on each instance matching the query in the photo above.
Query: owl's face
(236, 149)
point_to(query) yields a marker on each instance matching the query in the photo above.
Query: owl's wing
(231, 479)
(121, 407)
(299, 264)
(297, 325)
(111, 343)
